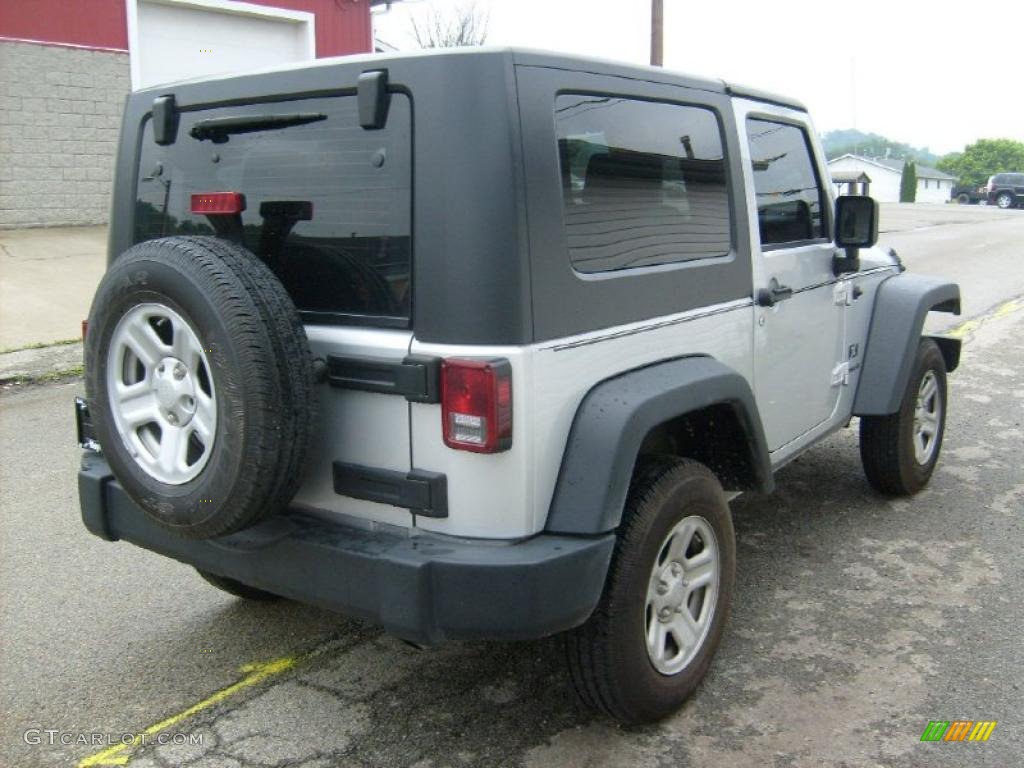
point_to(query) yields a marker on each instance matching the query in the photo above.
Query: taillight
(85, 328)
(476, 404)
(218, 203)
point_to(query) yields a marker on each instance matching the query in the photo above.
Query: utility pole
(657, 32)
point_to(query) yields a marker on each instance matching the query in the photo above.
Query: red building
(66, 66)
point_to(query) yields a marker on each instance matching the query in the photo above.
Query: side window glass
(789, 193)
(643, 183)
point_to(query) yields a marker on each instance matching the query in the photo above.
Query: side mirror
(856, 228)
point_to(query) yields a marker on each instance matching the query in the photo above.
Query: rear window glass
(643, 183)
(328, 204)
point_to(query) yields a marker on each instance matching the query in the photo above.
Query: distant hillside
(856, 142)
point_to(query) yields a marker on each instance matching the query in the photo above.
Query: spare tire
(200, 382)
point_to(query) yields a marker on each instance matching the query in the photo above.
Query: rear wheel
(899, 451)
(660, 620)
(1004, 200)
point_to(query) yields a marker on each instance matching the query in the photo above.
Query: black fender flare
(902, 303)
(617, 414)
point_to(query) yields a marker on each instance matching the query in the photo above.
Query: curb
(41, 365)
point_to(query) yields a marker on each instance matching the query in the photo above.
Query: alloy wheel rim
(682, 593)
(927, 416)
(161, 393)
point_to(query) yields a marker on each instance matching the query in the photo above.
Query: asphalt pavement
(981, 246)
(857, 619)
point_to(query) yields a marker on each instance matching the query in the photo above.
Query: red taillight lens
(218, 203)
(476, 405)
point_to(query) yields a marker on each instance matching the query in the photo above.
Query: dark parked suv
(1006, 190)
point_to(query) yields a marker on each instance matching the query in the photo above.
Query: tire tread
(592, 666)
(274, 367)
(883, 441)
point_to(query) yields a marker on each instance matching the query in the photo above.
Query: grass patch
(40, 345)
(49, 377)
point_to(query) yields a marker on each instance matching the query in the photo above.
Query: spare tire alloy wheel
(200, 383)
(161, 392)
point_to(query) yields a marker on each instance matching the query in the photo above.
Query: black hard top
(484, 153)
(523, 57)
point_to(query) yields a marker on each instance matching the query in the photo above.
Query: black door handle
(773, 294)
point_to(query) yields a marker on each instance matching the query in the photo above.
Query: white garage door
(177, 39)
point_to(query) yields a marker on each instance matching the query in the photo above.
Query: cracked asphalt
(857, 618)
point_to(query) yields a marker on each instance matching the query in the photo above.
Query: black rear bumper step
(421, 588)
(421, 492)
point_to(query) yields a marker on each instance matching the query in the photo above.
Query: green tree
(908, 183)
(982, 159)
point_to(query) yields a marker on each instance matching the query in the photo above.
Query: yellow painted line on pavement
(1008, 307)
(969, 326)
(257, 673)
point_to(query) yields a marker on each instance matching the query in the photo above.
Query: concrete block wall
(60, 115)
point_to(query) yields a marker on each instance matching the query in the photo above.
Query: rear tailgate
(327, 205)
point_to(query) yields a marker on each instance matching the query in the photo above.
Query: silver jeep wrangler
(479, 344)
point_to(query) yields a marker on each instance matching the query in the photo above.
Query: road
(979, 245)
(857, 619)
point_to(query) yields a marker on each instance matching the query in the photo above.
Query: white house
(933, 186)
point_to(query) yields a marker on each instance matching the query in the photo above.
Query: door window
(790, 198)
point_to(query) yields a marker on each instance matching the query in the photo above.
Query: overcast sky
(924, 73)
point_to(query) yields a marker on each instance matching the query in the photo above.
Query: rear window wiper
(218, 129)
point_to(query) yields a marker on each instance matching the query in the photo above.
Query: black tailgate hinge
(417, 377)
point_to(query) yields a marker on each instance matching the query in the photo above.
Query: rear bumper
(423, 589)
